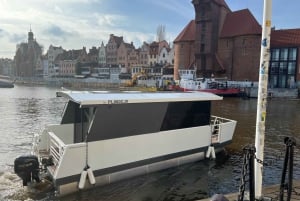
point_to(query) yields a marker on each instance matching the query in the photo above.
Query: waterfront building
(70, 62)
(112, 46)
(52, 53)
(239, 46)
(170, 57)
(92, 56)
(123, 54)
(153, 53)
(223, 43)
(26, 57)
(144, 54)
(209, 19)
(133, 56)
(184, 49)
(102, 55)
(42, 66)
(166, 56)
(284, 69)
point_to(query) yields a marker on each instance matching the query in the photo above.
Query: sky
(73, 24)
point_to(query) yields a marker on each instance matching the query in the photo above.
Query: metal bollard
(288, 165)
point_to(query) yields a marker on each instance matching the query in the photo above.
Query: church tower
(30, 37)
(209, 19)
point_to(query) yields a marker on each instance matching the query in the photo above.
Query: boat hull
(106, 179)
(116, 159)
(221, 92)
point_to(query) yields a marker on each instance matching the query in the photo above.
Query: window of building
(284, 54)
(202, 37)
(275, 55)
(291, 68)
(203, 24)
(202, 48)
(292, 53)
(283, 65)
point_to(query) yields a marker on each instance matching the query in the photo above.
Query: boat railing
(35, 142)
(56, 148)
(218, 124)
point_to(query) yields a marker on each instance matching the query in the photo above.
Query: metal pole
(251, 174)
(262, 94)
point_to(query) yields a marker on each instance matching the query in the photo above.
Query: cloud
(182, 8)
(56, 31)
(109, 20)
(16, 38)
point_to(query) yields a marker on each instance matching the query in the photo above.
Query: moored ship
(104, 137)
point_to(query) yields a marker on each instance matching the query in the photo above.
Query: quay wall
(252, 92)
(116, 84)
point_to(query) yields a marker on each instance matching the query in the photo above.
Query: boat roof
(85, 98)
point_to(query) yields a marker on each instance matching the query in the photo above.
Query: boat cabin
(95, 116)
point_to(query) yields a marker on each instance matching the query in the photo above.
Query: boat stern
(222, 130)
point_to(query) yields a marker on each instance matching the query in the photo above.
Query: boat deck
(268, 192)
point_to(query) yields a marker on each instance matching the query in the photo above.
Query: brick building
(227, 44)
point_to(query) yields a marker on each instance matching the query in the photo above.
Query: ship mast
(262, 94)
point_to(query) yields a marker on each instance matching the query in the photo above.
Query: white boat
(104, 137)
(6, 83)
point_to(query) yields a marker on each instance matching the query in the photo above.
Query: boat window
(74, 115)
(186, 114)
(70, 113)
(123, 120)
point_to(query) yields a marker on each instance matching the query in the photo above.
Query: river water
(25, 110)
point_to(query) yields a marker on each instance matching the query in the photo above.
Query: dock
(270, 192)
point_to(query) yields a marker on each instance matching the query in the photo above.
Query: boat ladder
(215, 130)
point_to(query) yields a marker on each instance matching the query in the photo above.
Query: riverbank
(110, 84)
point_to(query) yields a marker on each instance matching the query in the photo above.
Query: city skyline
(73, 24)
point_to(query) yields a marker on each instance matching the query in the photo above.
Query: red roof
(188, 33)
(240, 23)
(285, 38)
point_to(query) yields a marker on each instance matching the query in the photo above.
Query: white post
(262, 95)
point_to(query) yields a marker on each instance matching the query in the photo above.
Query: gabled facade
(69, 62)
(93, 55)
(153, 53)
(144, 54)
(123, 54)
(102, 55)
(112, 46)
(51, 55)
(163, 56)
(133, 57)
